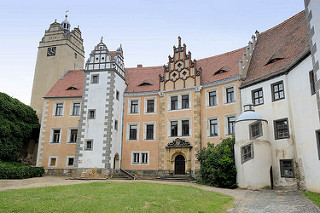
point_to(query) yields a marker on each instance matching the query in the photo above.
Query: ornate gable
(181, 72)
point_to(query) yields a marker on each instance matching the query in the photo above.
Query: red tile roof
(72, 79)
(137, 76)
(288, 40)
(228, 62)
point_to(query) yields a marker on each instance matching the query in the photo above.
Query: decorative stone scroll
(178, 143)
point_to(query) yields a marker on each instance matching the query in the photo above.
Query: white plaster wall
(281, 148)
(120, 85)
(305, 122)
(254, 173)
(94, 128)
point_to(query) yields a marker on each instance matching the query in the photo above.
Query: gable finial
(66, 13)
(101, 40)
(179, 40)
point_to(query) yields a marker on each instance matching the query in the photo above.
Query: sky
(147, 30)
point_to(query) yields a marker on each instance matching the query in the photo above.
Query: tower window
(75, 55)
(95, 79)
(286, 168)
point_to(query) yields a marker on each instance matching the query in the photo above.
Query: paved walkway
(246, 200)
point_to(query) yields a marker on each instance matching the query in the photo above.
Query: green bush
(217, 165)
(18, 123)
(15, 170)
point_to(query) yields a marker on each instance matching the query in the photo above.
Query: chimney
(139, 66)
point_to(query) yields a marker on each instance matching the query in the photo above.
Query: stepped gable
(220, 67)
(278, 48)
(146, 77)
(70, 85)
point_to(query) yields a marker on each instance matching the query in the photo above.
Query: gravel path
(247, 201)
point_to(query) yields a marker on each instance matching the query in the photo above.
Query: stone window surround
(129, 105)
(146, 105)
(253, 98)
(180, 119)
(128, 130)
(89, 110)
(67, 161)
(72, 105)
(85, 145)
(282, 169)
(49, 161)
(51, 134)
(91, 78)
(273, 92)
(207, 91)
(318, 142)
(226, 126)
(69, 134)
(179, 101)
(145, 130)
(55, 107)
(260, 133)
(208, 126)
(140, 158)
(276, 137)
(224, 93)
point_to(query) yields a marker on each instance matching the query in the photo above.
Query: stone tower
(59, 50)
(100, 126)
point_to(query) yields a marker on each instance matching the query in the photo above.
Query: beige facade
(59, 127)
(59, 51)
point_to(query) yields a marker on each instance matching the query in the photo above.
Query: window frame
(232, 95)
(52, 135)
(259, 97)
(70, 135)
(179, 106)
(312, 83)
(178, 127)
(89, 114)
(128, 124)
(145, 131)
(117, 94)
(318, 142)
(85, 148)
(72, 108)
(215, 98)
(54, 113)
(176, 102)
(228, 125)
(130, 106)
(276, 136)
(243, 153)
(140, 158)
(116, 123)
(67, 161)
(185, 103)
(274, 92)
(216, 125)
(93, 77)
(260, 131)
(282, 168)
(49, 161)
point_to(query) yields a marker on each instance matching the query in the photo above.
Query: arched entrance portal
(179, 165)
(116, 162)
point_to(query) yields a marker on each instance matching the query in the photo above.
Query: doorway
(179, 165)
(116, 162)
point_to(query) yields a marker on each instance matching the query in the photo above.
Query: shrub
(15, 170)
(217, 165)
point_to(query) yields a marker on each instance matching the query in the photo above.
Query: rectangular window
(231, 121)
(56, 136)
(312, 83)
(213, 127)
(230, 95)
(135, 159)
(174, 128)
(213, 98)
(277, 91)
(144, 158)
(281, 129)
(76, 109)
(73, 135)
(286, 168)
(257, 97)
(174, 102)
(117, 95)
(246, 153)
(92, 113)
(116, 124)
(89, 145)
(185, 102)
(133, 132)
(134, 106)
(150, 106)
(149, 135)
(70, 161)
(255, 130)
(59, 109)
(52, 161)
(185, 128)
(318, 142)
(95, 79)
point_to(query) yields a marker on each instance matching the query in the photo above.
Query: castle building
(60, 50)
(151, 122)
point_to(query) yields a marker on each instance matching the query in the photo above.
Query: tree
(217, 165)
(17, 122)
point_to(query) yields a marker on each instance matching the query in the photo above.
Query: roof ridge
(284, 22)
(144, 67)
(222, 54)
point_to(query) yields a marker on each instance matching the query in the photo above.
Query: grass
(114, 197)
(315, 197)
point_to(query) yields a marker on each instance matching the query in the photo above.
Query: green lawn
(114, 197)
(315, 197)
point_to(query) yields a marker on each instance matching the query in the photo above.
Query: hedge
(15, 170)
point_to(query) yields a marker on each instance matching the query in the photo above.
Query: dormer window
(144, 84)
(220, 72)
(72, 88)
(272, 60)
